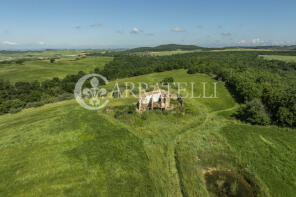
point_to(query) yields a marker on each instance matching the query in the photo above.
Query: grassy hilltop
(62, 149)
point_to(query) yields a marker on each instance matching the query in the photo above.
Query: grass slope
(268, 151)
(43, 69)
(63, 150)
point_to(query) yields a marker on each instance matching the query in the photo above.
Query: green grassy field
(42, 69)
(279, 57)
(269, 152)
(62, 149)
(13, 55)
(239, 49)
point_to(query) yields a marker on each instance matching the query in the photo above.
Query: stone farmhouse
(157, 99)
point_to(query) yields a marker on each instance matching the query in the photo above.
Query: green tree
(254, 112)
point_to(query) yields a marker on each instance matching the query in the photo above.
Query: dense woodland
(267, 89)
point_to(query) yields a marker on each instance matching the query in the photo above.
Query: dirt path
(180, 137)
(171, 183)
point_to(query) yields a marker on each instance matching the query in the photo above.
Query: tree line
(15, 97)
(267, 89)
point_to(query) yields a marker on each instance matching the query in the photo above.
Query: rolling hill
(62, 149)
(166, 47)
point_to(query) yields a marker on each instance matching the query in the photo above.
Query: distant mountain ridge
(174, 47)
(166, 47)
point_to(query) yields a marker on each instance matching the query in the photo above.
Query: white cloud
(291, 42)
(287, 42)
(226, 34)
(136, 30)
(241, 42)
(77, 27)
(41, 43)
(96, 25)
(177, 29)
(257, 41)
(9, 43)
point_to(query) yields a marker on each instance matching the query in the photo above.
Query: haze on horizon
(124, 24)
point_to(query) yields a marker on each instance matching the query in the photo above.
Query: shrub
(174, 86)
(65, 96)
(19, 61)
(34, 104)
(285, 117)
(10, 104)
(62, 97)
(167, 80)
(149, 89)
(135, 90)
(254, 112)
(163, 87)
(122, 111)
(15, 110)
(116, 94)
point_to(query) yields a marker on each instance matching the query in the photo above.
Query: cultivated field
(279, 57)
(44, 54)
(239, 49)
(62, 149)
(42, 69)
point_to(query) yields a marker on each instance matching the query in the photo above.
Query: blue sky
(124, 23)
